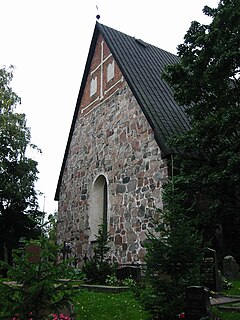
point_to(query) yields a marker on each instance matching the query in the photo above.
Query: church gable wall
(112, 139)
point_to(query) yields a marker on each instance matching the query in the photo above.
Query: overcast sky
(48, 42)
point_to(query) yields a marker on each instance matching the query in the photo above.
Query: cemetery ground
(229, 311)
(107, 306)
(40, 284)
(104, 306)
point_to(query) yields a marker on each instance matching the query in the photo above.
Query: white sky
(48, 42)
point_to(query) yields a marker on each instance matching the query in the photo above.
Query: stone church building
(115, 161)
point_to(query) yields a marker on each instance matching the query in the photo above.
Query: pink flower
(61, 316)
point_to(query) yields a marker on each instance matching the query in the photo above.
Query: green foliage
(50, 227)
(205, 182)
(97, 268)
(164, 304)
(18, 173)
(112, 280)
(174, 254)
(129, 282)
(234, 289)
(206, 81)
(36, 287)
(224, 315)
(101, 248)
(96, 271)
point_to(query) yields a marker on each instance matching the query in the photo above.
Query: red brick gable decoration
(104, 78)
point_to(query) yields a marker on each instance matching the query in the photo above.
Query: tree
(206, 81)
(18, 173)
(98, 267)
(174, 256)
(204, 188)
(50, 227)
(38, 292)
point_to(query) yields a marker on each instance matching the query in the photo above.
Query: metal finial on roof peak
(98, 15)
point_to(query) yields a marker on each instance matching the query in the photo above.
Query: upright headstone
(34, 253)
(133, 272)
(197, 303)
(209, 270)
(230, 268)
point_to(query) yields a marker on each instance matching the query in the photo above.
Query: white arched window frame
(98, 206)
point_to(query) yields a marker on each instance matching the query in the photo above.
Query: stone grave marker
(34, 253)
(230, 268)
(131, 271)
(209, 270)
(197, 304)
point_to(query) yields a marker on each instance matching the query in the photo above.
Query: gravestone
(209, 270)
(230, 268)
(197, 304)
(133, 272)
(34, 253)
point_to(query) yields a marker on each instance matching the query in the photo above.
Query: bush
(163, 304)
(36, 289)
(173, 258)
(98, 267)
(97, 272)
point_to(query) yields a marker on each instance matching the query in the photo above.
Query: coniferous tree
(36, 291)
(98, 267)
(174, 255)
(204, 190)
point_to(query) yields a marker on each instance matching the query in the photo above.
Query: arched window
(99, 204)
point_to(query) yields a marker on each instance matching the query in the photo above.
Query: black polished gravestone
(197, 303)
(131, 271)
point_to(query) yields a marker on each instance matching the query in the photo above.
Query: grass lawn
(234, 290)
(225, 315)
(107, 306)
(103, 306)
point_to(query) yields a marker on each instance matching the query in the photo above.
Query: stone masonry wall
(116, 140)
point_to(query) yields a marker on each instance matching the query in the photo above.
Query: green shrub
(98, 267)
(97, 272)
(174, 255)
(112, 280)
(36, 288)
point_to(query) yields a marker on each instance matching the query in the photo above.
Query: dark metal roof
(142, 65)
